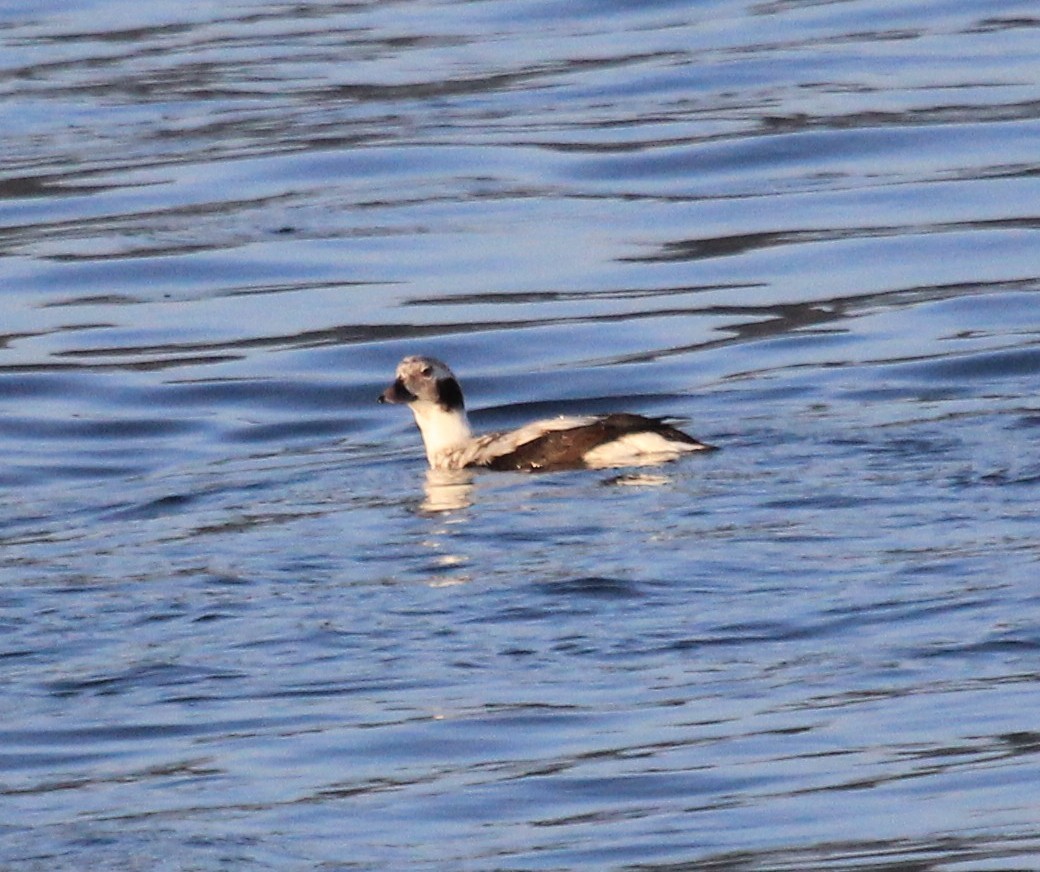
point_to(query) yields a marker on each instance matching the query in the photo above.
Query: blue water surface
(242, 627)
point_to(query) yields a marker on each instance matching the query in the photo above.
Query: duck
(431, 391)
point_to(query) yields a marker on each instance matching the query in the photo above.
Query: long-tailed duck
(431, 391)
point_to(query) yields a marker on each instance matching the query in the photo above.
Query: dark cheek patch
(449, 394)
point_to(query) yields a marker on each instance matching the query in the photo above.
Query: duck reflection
(447, 490)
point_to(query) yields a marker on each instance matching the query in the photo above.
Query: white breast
(480, 450)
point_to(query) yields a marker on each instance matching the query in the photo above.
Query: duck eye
(427, 371)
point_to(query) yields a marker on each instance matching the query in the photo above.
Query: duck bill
(397, 393)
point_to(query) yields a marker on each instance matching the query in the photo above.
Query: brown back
(564, 449)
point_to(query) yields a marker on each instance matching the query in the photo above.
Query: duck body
(429, 388)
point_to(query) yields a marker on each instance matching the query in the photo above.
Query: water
(239, 625)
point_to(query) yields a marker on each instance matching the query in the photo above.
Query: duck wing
(564, 446)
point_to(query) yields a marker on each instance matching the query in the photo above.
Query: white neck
(441, 430)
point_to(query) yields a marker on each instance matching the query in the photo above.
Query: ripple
(241, 625)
